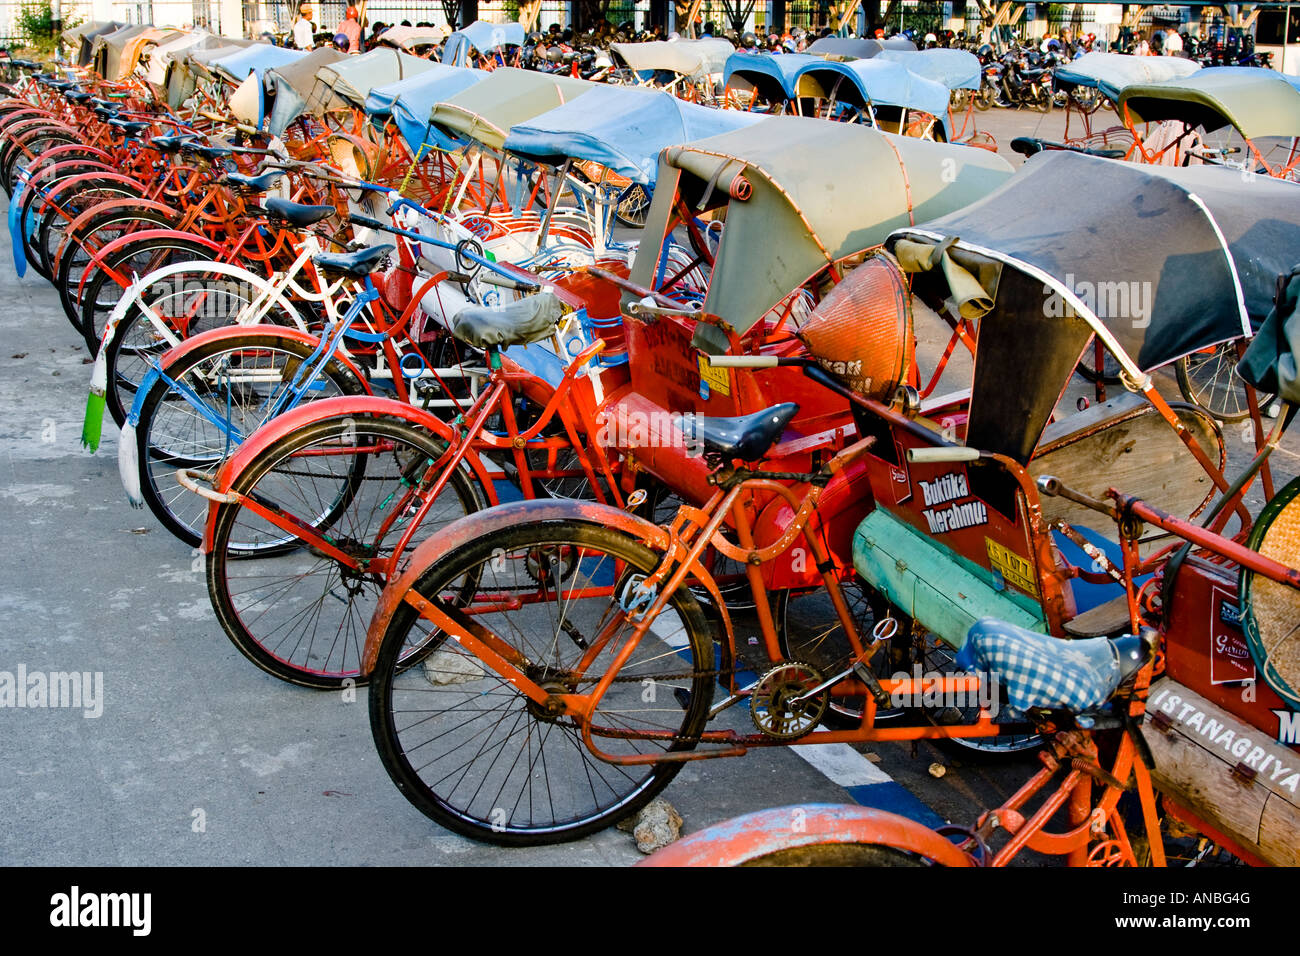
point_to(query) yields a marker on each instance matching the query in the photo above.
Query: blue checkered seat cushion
(1036, 671)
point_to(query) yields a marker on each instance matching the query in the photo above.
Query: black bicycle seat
(1027, 145)
(520, 322)
(106, 104)
(76, 96)
(358, 265)
(129, 127)
(168, 144)
(296, 213)
(747, 437)
(260, 184)
(208, 150)
(105, 113)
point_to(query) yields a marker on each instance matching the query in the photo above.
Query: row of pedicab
(391, 355)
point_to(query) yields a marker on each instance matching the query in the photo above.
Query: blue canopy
(1109, 73)
(410, 101)
(257, 58)
(772, 75)
(482, 36)
(621, 127)
(878, 81)
(955, 69)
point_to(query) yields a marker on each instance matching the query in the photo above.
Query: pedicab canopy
(1254, 102)
(1109, 73)
(954, 69)
(289, 86)
(877, 82)
(487, 111)
(690, 58)
(410, 101)
(255, 59)
(345, 82)
(1158, 262)
(135, 47)
(81, 40)
(108, 47)
(482, 36)
(161, 56)
(621, 127)
(818, 192)
(773, 77)
(411, 38)
(850, 47)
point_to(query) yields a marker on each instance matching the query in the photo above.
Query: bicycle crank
(782, 704)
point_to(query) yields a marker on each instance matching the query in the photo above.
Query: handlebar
(512, 281)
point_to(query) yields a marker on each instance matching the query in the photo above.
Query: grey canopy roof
(1158, 262)
(1256, 102)
(863, 185)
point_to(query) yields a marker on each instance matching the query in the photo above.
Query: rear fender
(71, 234)
(509, 515)
(756, 835)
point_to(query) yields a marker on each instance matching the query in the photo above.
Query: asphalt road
(197, 758)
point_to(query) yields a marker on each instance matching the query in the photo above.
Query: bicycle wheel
(231, 381)
(633, 206)
(299, 613)
(1210, 381)
(480, 758)
(66, 206)
(188, 301)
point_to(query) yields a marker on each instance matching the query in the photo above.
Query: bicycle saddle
(747, 437)
(105, 113)
(520, 322)
(25, 64)
(209, 150)
(260, 184)
(129, 127)
(1038, 671)
(168, 144)
(358, 265)
(295, 213)
(76, 96)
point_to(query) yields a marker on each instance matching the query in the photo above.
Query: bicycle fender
(754, 835)
(511, 514)
(322, 410)
(76, 225)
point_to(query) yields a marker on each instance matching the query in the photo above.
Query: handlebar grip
(508, 282)
(942, 453)
(369, 223)
(743, 361)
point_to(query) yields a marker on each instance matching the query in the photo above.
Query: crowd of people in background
(355, 35)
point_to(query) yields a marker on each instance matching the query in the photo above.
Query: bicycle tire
(172, 434)
(308, 625)
(562, 791)
(1223, 393)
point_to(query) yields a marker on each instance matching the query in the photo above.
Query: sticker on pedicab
(1230, 660)
(943, 511)
(713, 377)
(902, 487)
(1014, 569)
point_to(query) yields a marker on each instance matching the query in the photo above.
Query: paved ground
(197, 757)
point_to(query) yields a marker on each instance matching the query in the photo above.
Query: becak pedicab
(1205, 108)
(1211, 743)
(1092, 83)
(688, 69)
(484, 45)
(613, 136)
